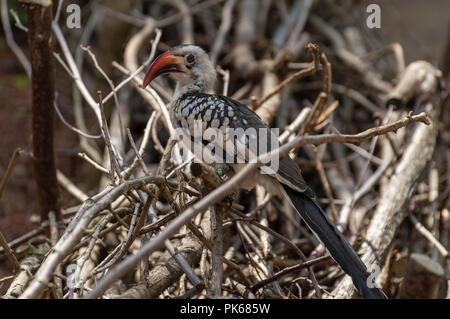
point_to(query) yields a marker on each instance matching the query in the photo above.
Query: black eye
(190, 58)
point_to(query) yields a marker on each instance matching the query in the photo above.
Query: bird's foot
(223, 170)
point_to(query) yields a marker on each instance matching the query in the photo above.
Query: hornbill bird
(190, 67)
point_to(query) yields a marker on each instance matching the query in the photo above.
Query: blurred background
(420, 26)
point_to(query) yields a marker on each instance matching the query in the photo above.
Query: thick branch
(390, 211)
(75, 231)
(220, 193)
(43, 90)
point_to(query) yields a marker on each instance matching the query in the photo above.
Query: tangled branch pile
(158, 227)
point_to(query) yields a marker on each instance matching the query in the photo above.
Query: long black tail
(334, 241)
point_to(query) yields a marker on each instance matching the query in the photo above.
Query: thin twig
(226, 188)
(58, 11)
(193, 10)
(70, 187)
(325, 183)
(225, 25)
(226, 79)
(73, 128)
(136, 151)
(75, 73)
(428, 235)
(93, 163)
(129, 171)
(158, 146)
(12, 162)
(113, 90)
(287, 271)
(216, 251)
(115, 167)
(9, 253)
(287, 242)
(10, 39)
(18, 23)
(314, 66)
(75, 231)
(140, 69)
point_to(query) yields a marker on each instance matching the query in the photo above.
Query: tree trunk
(39, 17)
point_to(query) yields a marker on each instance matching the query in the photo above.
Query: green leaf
(20, 80)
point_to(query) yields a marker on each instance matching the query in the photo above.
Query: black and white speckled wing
(288, 172)
(220, 112)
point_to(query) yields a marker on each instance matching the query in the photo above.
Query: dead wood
(159, 225)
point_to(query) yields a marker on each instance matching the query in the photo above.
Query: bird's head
(188, 64)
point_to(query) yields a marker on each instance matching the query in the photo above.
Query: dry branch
(420, 79)
(9, 169)
(75, 230)
(10, 39)
(390, 211)
(221, 192)
(168, 271)
(27, 267)
(147, 227)
(9, 253)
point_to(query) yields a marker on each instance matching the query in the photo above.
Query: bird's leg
(223, 170)
(212, 179)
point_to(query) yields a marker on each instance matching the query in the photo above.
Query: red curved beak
(163, 64)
